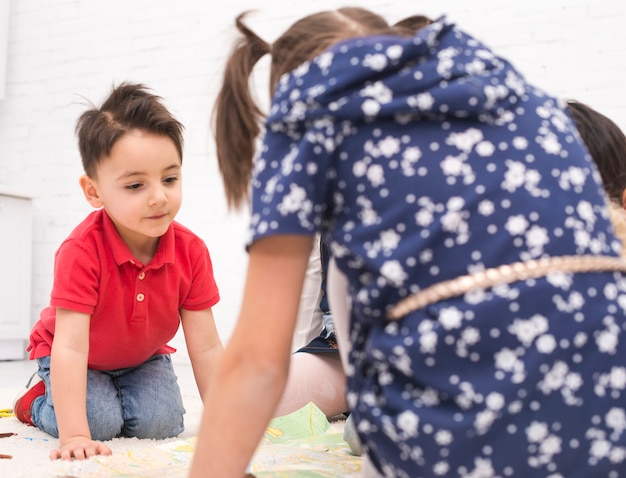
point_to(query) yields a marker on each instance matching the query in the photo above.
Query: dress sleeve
(291, 181)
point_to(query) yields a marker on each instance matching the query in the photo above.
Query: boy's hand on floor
(79, 448)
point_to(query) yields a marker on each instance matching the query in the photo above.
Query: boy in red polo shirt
(124, 280)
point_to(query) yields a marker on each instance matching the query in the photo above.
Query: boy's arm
(68, 379)
(203, 345)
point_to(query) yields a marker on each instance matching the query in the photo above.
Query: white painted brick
(63, 50)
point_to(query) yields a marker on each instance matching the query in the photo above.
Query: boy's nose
(157, 196)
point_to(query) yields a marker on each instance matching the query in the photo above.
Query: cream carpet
(29, 447)
(292, 448)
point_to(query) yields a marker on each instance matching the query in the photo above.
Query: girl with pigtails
(476, 283)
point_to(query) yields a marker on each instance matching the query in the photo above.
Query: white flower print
(466, 140)
(495, 401)
(441, 468)
(444, 437)
(543, 111)
(494, 94)
(408, 422)
(485, 149)
(483, 468)
(410, 156)
(376, 175)
(294, 201)
(325, 60)
(359, 168)
(452, 165)
(615, 419)
(393, 272)
(519, 142)
(370, 107)
(515, 176)
(394, 52)
(483, 421)
(428, 342)
(573, 177)
(452, 221)
(550, 446)
(471, 335)
(515, 83)
(475, 67)
(423, 101)
(389, 146)
(614, 380)
(367, 214)
(507, 360)
(378, 91)
(389, 240)
(546, 344)
(450, 318)
(607, 341)
(550, 143)
(560, 279)
(516, 225)
(486, 207)
(536, 432)
(600, 448)
(537, 238)
(518, 175)
(585, 211)
(527, 330)
(376, 61)
(560, 378)
(424, 217)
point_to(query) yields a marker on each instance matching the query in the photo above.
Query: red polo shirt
(134, 308)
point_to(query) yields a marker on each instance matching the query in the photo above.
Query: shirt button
(140, 297)
(142, 275)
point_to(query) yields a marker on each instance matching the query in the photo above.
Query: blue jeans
(143, 401)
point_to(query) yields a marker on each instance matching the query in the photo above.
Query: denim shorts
(142, 401)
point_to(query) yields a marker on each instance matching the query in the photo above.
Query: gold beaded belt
(504, 274)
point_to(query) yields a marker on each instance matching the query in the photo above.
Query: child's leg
(316, 378)
(152, 405)
(339, 300)
(104, 413)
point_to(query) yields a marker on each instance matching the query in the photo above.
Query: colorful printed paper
(299, 445)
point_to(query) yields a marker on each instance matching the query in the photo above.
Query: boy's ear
(624, 198)
(90, 190)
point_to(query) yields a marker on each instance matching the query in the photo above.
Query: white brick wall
(62, 51)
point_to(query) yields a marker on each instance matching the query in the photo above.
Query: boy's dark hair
(130, 106)
(607, 145)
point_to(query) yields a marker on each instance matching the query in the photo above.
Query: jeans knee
(103, 426)
(154, 427)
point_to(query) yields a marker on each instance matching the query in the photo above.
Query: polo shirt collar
(121, 253)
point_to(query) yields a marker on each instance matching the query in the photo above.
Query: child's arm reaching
(203, 345)
(68, 379)
(251, 375)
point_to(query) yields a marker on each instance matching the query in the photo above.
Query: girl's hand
(79, 448)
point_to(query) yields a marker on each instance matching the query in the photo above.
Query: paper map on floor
(299, 445)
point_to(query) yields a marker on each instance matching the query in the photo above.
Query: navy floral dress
(422, 159)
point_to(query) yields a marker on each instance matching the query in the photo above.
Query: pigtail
(411, 25)
(237, 118)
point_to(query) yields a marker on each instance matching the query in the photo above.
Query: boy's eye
(133, 186)
(171, 179)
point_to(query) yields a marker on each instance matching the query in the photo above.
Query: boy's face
(139, 185)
